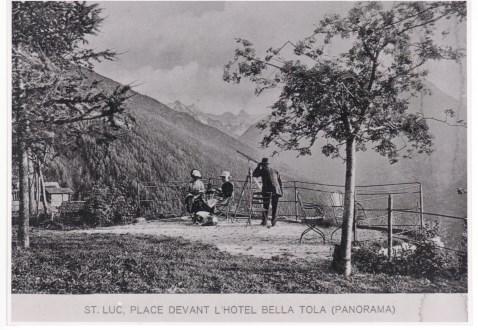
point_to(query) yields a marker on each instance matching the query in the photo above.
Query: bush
(463, 257)
(107, 206)
(423, 259)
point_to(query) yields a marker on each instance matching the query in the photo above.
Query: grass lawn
(62, 262)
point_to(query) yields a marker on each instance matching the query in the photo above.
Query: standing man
(271, 189)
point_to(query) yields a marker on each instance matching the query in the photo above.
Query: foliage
(68, 263)
(53, 102)
(423, 259)
(361, 93)
(358, 98)
(463, 246)
(107, 205)
(52, 97)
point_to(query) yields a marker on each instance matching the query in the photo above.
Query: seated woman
(224, 193)
(227, 187)
(194, 198)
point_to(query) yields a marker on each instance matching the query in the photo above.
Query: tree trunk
(24, 211)
(43, 192)
(345, 251)
(20, 109)
(37, 191)
(31, 190)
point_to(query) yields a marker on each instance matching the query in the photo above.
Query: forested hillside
(164, 146)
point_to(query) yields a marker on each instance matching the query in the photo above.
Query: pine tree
(54, 102)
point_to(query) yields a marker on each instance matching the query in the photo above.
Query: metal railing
(394, 208)
(451, 228)
(168, 198)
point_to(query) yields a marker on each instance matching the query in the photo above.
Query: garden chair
(312, 215)
(337, 207)
(224, 206)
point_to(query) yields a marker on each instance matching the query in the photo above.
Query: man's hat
(225, 174)
(265, 160)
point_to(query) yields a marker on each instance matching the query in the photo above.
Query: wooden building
(55, 195)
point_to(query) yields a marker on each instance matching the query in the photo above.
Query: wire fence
(372, 209)
(168, 199)
(452, 230)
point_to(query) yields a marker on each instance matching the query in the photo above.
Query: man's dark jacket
(271, 181)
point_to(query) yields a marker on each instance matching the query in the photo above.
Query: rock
(437, 241)
(140, 220)
(398, 249)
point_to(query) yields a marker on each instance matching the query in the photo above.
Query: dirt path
(237, 238)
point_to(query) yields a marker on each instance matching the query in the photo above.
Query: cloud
(177, 50)
(192, 83)
(166, 34)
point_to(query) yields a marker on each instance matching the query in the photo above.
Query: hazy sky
(177, 50)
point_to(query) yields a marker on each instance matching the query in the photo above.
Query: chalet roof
(54, 190)
(52, 184)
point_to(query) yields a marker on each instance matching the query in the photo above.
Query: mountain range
(227, 122)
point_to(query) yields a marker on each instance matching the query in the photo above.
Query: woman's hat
(196, 174)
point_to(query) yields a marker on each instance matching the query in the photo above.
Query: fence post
(421, 207)
(295, 202)
(390, 226)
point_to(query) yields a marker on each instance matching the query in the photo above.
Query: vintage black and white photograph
(238, 147)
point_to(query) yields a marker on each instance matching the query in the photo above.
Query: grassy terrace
(62, 262)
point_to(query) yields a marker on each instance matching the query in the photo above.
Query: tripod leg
(240, 198)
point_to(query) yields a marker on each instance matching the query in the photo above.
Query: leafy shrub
(423, 259)
(97, 208)
(107, 206)
(463, 257)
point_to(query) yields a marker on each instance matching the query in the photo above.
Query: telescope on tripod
(247, 188)
(247, 157)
